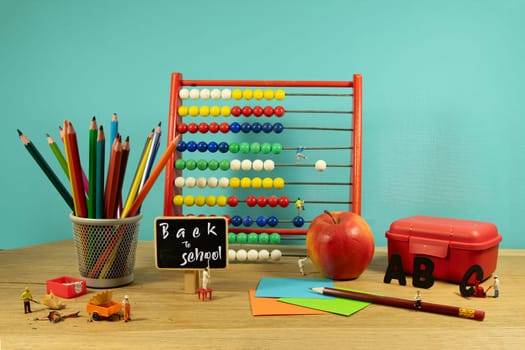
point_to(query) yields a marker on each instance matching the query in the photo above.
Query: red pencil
(110, 197)
(75, 169)
(122, 172)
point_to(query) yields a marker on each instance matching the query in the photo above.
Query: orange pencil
(73, 158)
(110, 197)
(122, 173)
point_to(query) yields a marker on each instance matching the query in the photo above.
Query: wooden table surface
(164, 317)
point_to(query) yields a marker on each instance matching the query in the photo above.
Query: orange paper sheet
(273, 307)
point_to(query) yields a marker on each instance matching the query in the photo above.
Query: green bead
(255, 147)
(275, 238)
(264, 238)
(224, 164)
(202, 164)
(277, 148)
(213, 164)
(234, 147)
(180, 164)
(242, 238)
(244, 147)
(232, 237)
(252, 238)
(191, 164)
(266, 148)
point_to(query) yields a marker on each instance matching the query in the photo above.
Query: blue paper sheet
(291, 287)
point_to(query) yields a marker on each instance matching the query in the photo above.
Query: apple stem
(331, 216)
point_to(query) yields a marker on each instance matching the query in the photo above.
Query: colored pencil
(75, 170)
(122, 173)
(110, 197)
(403, 303)
(151, 157)
(138, 173)
(99, 196)
(85, 181)
(58, 155)
(46, 169)
(113, 128)
(92, 190)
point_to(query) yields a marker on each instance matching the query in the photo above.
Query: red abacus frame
(174, 120)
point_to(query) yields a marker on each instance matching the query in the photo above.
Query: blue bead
(298, 221)
(202, 146)
(191, 146)
(246, 127)
(260, 221)
(272, 221)
(213, 146)
(181, 146)
(236, 220)
(256, 127)
(235, 127)
(247, 221)
(278, 128)
(224, 147)
(267, 127)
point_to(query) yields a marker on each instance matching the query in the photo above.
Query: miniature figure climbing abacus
(267, 155)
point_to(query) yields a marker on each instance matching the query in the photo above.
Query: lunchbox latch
(425, 246)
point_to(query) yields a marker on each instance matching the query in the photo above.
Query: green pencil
(46, 169)
(58, 155)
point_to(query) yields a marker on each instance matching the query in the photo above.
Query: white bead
(205, 94)
(215, 94)
(194, 94)
(241, 255)
(224, 182)
(264, 255)
(201, 182)
(190, 182)
(257, 165)
(184, 94)
(269, 165)
(252, 255)
(276, 255)
(179, 182)
(246, 164)
(320, 165)
(213, 182)
(231, 255)
(226, 94)
(235, 164)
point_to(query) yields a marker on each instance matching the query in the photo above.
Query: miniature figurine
(417, 300)
(204, 291)
(27, 297)
(55, 317)
(478, 291)
(299, 204)
(299, 153)
(495, 286)
(126, 309)
(300, 263)
(205, 278)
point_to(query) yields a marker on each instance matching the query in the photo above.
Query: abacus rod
(317, 148)
(318, 111)
(316, 94)
(313, 202)
(312, 165)
(269, 83)
(316, 128)
(319, 183)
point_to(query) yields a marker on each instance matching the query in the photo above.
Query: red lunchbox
(66, 287)
(453, 245)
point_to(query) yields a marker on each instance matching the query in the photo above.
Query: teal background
(443, 85)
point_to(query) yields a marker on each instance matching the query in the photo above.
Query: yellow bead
(256, 182)
(204, 111)
(200, 200)
(215, 111)
(237, 94)
(221, 201)
(280, 94)
(246, 182)
(247, 94)
(268, 94)
(267, 183)
(178, 200)
(183, 111)
(225, 111)
(235, 182)
(211, 201)
(278, 182)
(189, 200)
(258, 94)
(194, 111)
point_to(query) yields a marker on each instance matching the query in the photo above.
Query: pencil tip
(47, 135)
(101, 128)
(19, 132)
(160, 123)
(94, 118)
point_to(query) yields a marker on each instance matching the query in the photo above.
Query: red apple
(340, 245)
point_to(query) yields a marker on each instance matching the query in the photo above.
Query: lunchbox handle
(425, 246)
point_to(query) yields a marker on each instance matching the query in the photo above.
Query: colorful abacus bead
(251, 201)
(272, 221)
(279, 111)
(298, 221)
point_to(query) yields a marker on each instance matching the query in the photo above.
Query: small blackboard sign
(191, 242)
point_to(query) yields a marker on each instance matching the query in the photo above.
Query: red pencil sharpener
(66, 287)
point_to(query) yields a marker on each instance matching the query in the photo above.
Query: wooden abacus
(185, 96)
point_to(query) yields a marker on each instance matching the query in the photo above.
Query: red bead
(233, 201)
(247, 111)
(228, 218)
(236, 111)
(273, 201)
(213, 127)
(262, 201)
(268, 111)
(203, 128)
(182, 128)
(193, 128)
(224, 127)
(258, 111)
(284, 201)
(279, 111)
(251, 201)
